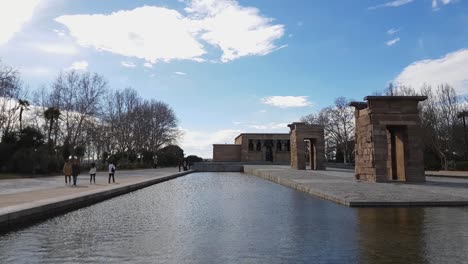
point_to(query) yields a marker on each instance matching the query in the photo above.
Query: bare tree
(156, 125)
(79, 97)
(10, 91)
(338, 122)
(341, 125)
(439, 121)
(399, 90)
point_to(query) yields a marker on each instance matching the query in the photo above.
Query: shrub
(462, 166)
(22, 161)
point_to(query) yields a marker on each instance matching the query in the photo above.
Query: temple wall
(226, 152)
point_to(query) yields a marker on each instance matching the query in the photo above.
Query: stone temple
(389, 146)
(304, 144)
(255, 148)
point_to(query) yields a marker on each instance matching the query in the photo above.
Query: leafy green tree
(194, 158)
(30, 137)
(79, 151)
(23, 105)
(170, 155)
(51, 115)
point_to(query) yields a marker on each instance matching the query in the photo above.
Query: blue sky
(228, 66)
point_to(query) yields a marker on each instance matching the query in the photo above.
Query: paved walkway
(20, 191)
(339, 185)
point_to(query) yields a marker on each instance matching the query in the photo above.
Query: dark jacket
(75, 169)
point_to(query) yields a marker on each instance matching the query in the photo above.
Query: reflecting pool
(236, 218)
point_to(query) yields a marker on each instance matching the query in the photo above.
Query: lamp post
(34, 156)
(463, 114)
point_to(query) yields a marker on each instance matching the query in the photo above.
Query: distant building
(255, 148)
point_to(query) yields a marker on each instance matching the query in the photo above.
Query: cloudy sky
(228, 66)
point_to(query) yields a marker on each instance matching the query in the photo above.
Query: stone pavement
(24, 201)
(19, 191)
(339, 185)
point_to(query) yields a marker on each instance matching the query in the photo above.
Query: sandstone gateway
(388, 139)
(307, 141)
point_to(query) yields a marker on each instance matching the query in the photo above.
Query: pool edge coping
(16, 216)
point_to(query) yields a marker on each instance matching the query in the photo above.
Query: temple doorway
(397, 142)
(311, 153)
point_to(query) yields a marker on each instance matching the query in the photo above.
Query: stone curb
(18, 215)
(446, 176)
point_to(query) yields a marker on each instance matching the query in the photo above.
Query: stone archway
(302, 134)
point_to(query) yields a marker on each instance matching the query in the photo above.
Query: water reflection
(234, 218)
(391, 234)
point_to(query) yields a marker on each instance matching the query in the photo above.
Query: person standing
(92, 173)
(111, 172)
(67, 171)
(75, 170)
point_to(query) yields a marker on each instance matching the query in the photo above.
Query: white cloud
(435, 3)
(281, 47)
(238, 31)
(392, 42)
(286, 101)
(200, 143)
(128, 64)
(79, 66)
(393, 31)
(161, 34)
(180, 73)
(395, 3)
(148, 65)
(269, 126)
(58, 49)
(451, 69)
(59, 32)
(13, 15)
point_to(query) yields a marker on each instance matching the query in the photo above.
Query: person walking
(111, 172)
(92, 173)
(67, 171)
(75, 170)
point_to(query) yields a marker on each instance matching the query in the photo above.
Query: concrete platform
(338, 185)
(21, 203)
